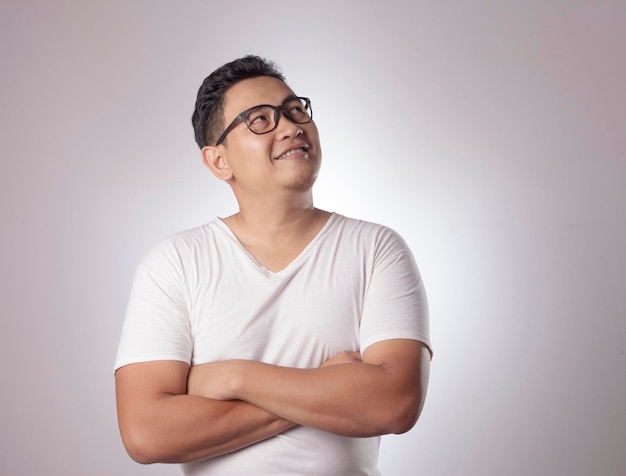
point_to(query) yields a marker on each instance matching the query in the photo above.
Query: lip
(299, 148)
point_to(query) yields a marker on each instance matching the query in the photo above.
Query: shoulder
(362, 231)
(177, 248)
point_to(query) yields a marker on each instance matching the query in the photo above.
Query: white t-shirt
(200, 297)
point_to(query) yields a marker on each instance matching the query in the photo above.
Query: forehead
(252, 92)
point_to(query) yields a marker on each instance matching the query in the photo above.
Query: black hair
(208, 115)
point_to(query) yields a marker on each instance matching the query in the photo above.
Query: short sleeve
(157, 326)
(395, 305)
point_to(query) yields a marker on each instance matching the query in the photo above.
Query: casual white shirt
(200, 297)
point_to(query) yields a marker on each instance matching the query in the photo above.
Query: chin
(302, 184)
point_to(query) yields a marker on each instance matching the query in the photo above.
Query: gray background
(492, 135)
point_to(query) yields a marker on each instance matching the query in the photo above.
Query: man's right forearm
(190, 428)
(167, 426)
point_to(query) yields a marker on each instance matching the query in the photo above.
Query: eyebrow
(288, 98)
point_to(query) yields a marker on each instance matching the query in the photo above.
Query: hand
(344, 357)
(212, 380)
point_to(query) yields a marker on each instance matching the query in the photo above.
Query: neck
(275, 232)
(276, 220)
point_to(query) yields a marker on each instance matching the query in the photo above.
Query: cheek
(314, 131)
(253, 146)
(313, 134)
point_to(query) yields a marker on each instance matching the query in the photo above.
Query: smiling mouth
(291, 152)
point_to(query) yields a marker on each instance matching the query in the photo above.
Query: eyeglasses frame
(242, 117)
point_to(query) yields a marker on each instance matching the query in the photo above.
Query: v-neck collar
(219, 222)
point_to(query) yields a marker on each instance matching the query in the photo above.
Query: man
(283, 339)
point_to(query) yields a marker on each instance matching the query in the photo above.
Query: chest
(298, 317)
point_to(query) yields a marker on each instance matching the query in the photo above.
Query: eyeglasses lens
(262, 119)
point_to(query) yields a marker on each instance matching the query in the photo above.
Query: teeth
(291, 152)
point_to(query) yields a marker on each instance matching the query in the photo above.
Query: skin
(276, 217)
(159, 422)
(379, 393)
(169, 412)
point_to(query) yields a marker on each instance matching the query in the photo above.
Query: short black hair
(208, 115)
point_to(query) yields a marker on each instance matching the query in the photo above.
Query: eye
(297, 109)
(260, 119)
(257, 117)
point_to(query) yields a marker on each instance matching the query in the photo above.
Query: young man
(283, 339)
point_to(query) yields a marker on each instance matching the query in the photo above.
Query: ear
(214, 160)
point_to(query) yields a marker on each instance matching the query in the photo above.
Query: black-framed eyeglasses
(264, 118)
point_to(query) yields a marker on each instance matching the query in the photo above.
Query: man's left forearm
(383, 394)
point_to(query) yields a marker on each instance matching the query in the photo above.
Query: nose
(286, 128)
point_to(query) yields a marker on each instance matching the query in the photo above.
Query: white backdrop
(492, 135)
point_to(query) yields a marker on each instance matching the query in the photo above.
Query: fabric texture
(200, 297)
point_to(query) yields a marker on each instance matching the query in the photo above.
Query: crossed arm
(169, 413)
(160, 423)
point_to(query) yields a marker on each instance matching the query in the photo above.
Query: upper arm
(407, 359)
(139, 386)
(407, 365)
(146, 379)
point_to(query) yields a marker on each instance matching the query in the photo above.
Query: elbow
(403, 423)
(140, 457)
(403, 416)
(139, 451)
(400, 423)
(142, 448)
